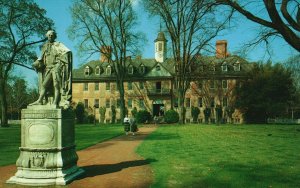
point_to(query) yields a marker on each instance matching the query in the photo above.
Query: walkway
(109, 164)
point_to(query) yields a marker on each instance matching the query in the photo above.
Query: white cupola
(160, 47)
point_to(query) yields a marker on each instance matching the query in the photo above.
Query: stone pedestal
(47, 152)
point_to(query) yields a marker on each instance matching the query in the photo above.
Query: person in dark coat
(126, 125)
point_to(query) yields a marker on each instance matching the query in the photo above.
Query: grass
(85, 135)
(224, 156)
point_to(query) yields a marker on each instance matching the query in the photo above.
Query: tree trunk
(3, 102)
(120, 85)
(181, 107)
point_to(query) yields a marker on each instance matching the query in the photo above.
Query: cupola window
(157, 68)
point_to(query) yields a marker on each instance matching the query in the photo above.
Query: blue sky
(58, 11)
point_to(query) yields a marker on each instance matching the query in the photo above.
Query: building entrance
(158, 108)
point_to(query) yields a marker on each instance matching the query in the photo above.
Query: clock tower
(160, 47)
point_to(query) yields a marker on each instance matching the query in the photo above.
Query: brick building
(149, 83)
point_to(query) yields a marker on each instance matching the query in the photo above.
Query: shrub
(90, 118)
(80, 113)
(195, 113)
(171, 116)
(102, 111)
(143, 116)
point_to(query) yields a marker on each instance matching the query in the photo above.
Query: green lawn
(224, 156)
(85, 135)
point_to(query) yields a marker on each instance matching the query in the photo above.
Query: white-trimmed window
(212, 84)
(141, 103)
(85, 86)
(141, 85)
(224, 67)
(96, 86)
(129, 85)
(200, 102)
(97, 70)
(142, 69)
(224, 84)
(87, 71)
(96, 103)
(130, 69)
(86, 103)
(107, 103)
(237, 66)
(225, 101)
(129, 103)
(107, 86)
(212, 102)
(187, 102)
(108, 70)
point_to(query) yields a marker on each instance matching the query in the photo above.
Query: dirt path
(109, 164)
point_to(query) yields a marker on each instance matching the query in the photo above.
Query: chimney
(221, 49)
(138, 57)
(105, 53)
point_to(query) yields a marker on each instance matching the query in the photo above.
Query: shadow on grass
(96, 170)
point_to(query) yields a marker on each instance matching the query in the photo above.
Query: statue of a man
(54, 67)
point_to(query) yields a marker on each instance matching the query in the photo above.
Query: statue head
(51, 35)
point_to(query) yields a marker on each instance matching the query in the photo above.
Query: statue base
(47, 152)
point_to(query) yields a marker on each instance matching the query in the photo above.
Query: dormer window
(130, 69)
(212, 67)
(224, 67)
(97, 70)
(143, 69)
(108, 70)
(87, 71)
(237, 66)
(157, 68)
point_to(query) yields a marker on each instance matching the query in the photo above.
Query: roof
(161, 37)
(149, 69)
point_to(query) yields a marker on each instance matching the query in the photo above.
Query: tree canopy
(22, 26)
(267, 93)
(278, 18)
(107, 27)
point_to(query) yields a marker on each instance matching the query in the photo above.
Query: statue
(54, 68)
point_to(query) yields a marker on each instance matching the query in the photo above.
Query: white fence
(283, 121)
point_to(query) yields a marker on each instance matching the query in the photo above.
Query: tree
(102, 111)
(195, 113)
(108, 24)
(266, 94)
(20, 94)
(21, 23)
(191, 25)
(80, 112)
(283, 18)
